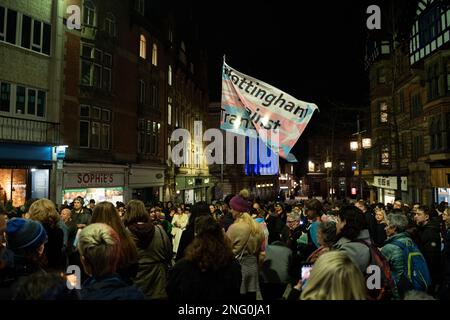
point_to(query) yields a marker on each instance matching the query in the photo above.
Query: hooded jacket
(358, 252)
(154, 254)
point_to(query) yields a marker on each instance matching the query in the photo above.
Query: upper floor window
(416, 105)
(436, 134)
(385, 156)
(143, 47)
(20, 100)
(432, 79)
(417, 147)
(155, 97)
(110, 24)
(96, 67)
(142, 90)
(140, 6)
(383, 112)
(169, 75)
(149, 137)
(381, 76)
(95, 127)
(22, 30)
(155, 55)
(430, 25)
(89, 13)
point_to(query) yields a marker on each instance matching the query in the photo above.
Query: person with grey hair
(99, 247)
(326, 234)
(393, 251)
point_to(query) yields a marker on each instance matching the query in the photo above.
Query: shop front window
(13, 187)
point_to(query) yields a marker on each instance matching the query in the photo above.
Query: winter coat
(154, 254)
(109, 287)
(277, 264)
(358, 252)
(395, 256)
(379, 234)
(53, 250)
(430, 246)
(275, 225)
(188, 283)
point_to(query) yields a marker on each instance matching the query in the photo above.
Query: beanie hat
(240, 205)
(24, 234)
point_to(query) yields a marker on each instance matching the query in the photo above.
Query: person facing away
(44, 211)
(334, 276)
(24, 254)
(100, 250)
(105, 212)
(247, 239)
(353, 237)
(208, 270)
(396, 225)
(154, 250)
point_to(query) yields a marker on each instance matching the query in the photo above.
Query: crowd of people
(236, 249)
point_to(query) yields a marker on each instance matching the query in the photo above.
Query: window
(141, 92)
(432, 77)
(29, 101)
(385, 156)
(155, 97)
(11, 26)
(89, 13)
(430, 25)
(416, 105)
(143, 47)
(436, 134)
(169, 75)
(140, 6)
(110, 24)
(155, 55)
(381, 76)
(96, 67)
(148, 139)
(2, 23)
(169, 111)
(20, 100)
(383, 112)
(95, 127)
(417, 147)
(5, 96)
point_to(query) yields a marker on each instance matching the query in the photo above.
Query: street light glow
(354, 145)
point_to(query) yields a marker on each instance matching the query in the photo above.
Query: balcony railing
(26, 130)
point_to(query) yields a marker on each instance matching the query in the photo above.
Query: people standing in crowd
(227, 217)
(154, 251)
(188, 235)
(44, 211)
(379, 234)
(394, 252)
(430, 242)
(444, 292)
(276, 269)
(326, 235)
(127, 266)
(120, 207)
(24, 253)
(208, 270)
(91, 205)
(353, 237)
(334, 276)
(369, 216)
(100, 250)
(64, 224)
(276, 222)
(247, 240)
(308, 242)
(179, 223)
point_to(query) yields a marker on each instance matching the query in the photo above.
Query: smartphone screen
(306, 270)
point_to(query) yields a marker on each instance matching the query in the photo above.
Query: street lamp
(328, 165)
(358, 146)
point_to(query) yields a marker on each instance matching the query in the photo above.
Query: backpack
(415, 270)
(387, 285)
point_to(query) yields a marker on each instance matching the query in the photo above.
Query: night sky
(313, 50)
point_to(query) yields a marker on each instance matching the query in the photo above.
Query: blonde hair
(255, 227)
(99, 244)
(44, 211)
(335, 277)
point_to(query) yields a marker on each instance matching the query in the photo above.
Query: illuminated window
(383, 112)
(155, 55)
(89, 13)
(143, 47)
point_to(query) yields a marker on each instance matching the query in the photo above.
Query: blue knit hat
(24, 234)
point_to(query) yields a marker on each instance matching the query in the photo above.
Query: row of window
(17, 100)
(95, 127)
(149, 133)
(96, 67)
(22, 30)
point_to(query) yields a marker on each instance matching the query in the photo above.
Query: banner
(254, 108)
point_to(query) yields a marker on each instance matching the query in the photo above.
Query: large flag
(254, 108)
